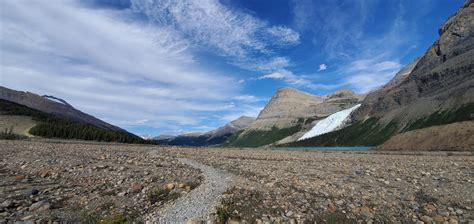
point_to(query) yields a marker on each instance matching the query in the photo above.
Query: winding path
(200, 201)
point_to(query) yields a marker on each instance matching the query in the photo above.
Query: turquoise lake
(352, 148)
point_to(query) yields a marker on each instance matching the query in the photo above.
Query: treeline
(51, 126)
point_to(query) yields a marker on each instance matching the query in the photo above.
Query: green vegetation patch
(51, 126)
(256, 138)
(371, 133)
(463, 113)
(362, 133)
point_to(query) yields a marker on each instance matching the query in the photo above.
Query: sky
(168, 67)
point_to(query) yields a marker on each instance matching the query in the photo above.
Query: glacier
(330, 123)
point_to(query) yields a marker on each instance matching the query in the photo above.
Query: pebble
(40, 206)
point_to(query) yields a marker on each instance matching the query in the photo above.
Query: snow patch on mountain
(330, 123)
(55, 99)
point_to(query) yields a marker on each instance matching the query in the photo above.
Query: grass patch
(256, 138)
(363, 133)
(161, 195)
(95, 218)
(463, 113)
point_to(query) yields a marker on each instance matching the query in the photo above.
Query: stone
(170, 186)
(137, 187)
(20, 177)
(366, 213)
(426, 219)
(6, 204)
(431, 207)
(453, 221)
(40, 206)
(288, 213)
(438, 219)
(30, 192)
(459, 211)
(331, 207)
(194, 221)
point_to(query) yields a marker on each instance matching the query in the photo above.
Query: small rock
(331, 207)
(365, 211)
(453, 221)
(426, 219)
(137, 187)
(459, 211)
(170, 186)
(20, 177)
(6, 204)
(30, 192)
(340, 202)
(121, 194)
(431, 207)
(40, 206)
(194, 221)
(27, 217)
(289, 214)
(438, 219)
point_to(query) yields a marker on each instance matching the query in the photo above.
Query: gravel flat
(199, 202)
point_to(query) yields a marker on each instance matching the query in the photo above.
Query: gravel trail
(199, 202)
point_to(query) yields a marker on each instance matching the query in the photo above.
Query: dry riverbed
(84, 182)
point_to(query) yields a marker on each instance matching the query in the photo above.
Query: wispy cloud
(128, 73)
(368, 74)
(211, 24)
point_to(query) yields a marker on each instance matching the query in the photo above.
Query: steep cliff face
(434, 90)
(289, 105)
(441, 79)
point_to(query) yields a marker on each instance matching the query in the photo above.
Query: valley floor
(74, 181)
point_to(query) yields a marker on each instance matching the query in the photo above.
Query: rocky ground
(84, 182)
(344, 187)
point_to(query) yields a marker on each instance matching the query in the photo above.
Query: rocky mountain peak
(242, 122)
(342, 93)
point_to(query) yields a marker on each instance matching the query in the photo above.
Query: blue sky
(165, 66)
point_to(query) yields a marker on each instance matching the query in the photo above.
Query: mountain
(214, 137)
(434, 90)
(51, 117)
(289, 114)
(53, 105)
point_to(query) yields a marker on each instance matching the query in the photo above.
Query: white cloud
(273, 64)
(368, 74)
(322, 67)
(284, 35)
(213, 25)
(297, 80)
(277, 75)
(124, 72)
(248, 98)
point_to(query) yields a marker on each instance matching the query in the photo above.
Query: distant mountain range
(215, 137)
